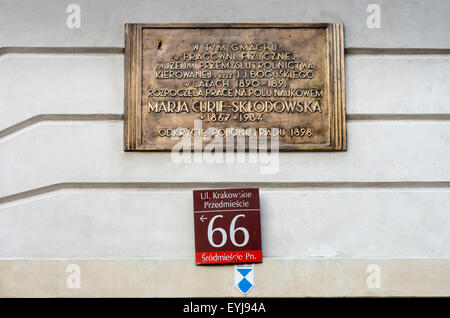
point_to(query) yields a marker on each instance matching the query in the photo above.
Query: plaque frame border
(336, 77)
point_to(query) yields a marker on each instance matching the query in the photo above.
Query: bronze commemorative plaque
(209, 82)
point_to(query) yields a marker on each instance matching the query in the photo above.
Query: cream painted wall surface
(69, 193)
(296, 223)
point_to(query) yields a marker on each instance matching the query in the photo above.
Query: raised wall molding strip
(121, 50)
(212, 185)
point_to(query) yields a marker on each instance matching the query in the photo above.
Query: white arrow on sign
(202, 218)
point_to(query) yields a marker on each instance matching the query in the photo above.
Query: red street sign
(227, 226)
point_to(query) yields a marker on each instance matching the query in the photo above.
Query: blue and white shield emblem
(244, 277)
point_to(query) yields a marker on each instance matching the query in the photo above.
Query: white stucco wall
(68, 190)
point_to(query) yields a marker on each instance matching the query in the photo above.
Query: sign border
(336, 79)
(231, 252)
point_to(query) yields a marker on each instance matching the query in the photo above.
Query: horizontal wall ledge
(421, 24)
(83, 117)
(181, 278)
(92, 151)
(121, 50)
(33, 85)
(94, 50)
(217, 185)
(295, 223)
(110, 117)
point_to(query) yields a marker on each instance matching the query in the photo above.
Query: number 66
(224, 233)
